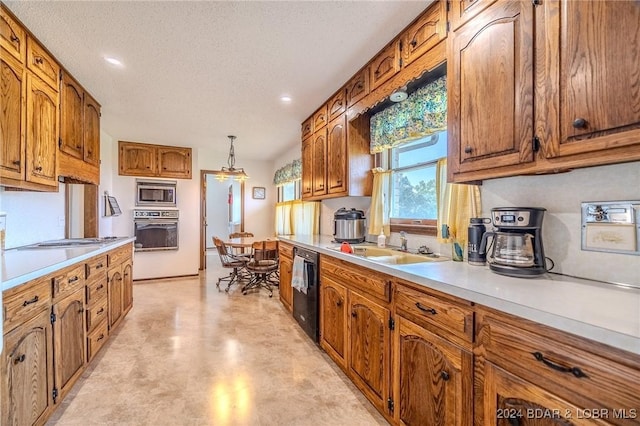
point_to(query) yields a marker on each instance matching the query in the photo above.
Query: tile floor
(187, 354)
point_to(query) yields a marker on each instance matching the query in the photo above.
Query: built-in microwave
(160, 193)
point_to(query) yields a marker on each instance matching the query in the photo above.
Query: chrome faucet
(403, 241)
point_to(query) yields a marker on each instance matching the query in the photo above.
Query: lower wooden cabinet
(69, 340)
(127, 287)
(432, 378)
(114, 291)
(285, 289)
(27, 372)
(333, 320)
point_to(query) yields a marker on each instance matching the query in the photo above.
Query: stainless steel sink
(69, 242)
(391, 256)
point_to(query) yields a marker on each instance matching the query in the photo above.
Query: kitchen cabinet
(358, 87)
(127, 287)
(527, 365)
(462, 11)
(69, 340)
(27, 371)
(333, 320)
(307, 168)
(12, 151)
(286, 270)
(337, 105)
(114, 291)
(337, 176)
(385, 65)
(589, 78)
(138, 159)
(320, 118)
(80, 133)
(319, 150)
(13, 37)
(307, 128)
(42, 64)
(432, 378)
(500, 133)
(424, 33)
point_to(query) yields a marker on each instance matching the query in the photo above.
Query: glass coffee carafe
(515, 249)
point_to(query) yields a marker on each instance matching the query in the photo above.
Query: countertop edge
(103, 248)
(596, 333)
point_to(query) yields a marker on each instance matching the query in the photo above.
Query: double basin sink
(389, 256)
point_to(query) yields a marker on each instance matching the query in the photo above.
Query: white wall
(33, 216)
(217, 209)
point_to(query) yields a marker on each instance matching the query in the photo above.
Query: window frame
(297, 191)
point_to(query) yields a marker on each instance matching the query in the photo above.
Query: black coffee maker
(517, 242)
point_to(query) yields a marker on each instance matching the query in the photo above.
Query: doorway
(221, 210)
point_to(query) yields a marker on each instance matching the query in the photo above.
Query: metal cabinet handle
(353, 314)
(425, 309)
(445, 376)
(29, 302)
(100, 338)
(579, 123)
(100, 287)
(468, 150)
(576, 371)
(73, 279)
(38, 60)
(38, 169)
(16, 162)
(413, 43)
(339, 303)
(100, 311)
(99, 266)
(14, 38)
(19, 359)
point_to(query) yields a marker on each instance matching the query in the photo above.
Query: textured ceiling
(195, 72)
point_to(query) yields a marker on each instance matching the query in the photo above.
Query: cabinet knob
(16, 162)
(38, 169)
(376, 73)
(339, 181)
(100, 338)
(339, 303)
(579, 123)
(468, 150)
(445, 376)
(19, 359)
(353, 314)
(413, 43)
(38, 60)
(14, 38)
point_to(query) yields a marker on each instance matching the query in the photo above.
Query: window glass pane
(414, 193)
(288, 191)
(419, 151)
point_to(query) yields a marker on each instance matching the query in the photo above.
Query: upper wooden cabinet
(591, 77)
(139, 159)
(13, 36)
(319, 162)
(337, 156)
(463, 10)
(337, 104)
(358, 87)
(385, 65)
(42, 64)
(320, 118)
(307, 168)
(12, 115)
(499, 133)
(307, 128)
(427, 31)
(80, 133)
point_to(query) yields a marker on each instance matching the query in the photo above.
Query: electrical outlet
(61, 222)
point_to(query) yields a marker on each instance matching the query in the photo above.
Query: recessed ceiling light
(285, 98)
(113, 61)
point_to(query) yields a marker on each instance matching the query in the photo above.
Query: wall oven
(159, 193)
(155, 230)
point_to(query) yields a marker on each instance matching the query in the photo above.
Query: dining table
(243, 243)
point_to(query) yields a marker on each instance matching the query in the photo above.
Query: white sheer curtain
(298, 218)
(379, 211)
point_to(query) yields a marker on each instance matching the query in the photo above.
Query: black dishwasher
(305, 306)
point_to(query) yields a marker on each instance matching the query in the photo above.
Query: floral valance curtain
(288, 173)
(423, 113)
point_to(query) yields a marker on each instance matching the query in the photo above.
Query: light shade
(231, 172)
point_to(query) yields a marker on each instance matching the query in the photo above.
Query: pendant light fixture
(231, 172)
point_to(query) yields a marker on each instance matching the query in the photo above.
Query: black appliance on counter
(517, 242)
(306, 306)
(475, 232)
(349, 226)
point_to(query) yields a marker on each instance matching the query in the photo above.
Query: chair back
(240, 235)
(265, 250)
(226, 257)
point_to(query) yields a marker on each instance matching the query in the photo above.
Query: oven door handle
(156, 222)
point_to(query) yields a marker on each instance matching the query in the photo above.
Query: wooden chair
(232, 261)
(263, 266)
(240, 250)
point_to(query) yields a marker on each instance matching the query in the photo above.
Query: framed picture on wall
(259, 192)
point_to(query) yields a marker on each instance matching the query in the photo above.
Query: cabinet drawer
(68, 280)
(448, 317)
(119, 255)
(96, 290)
(356, 277)
(551, 360)
(42, 64)
(96, 267)
(97, 313)
(285, 250)
(24, 301)
(97, 338)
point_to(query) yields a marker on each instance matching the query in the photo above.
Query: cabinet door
(42, 64)
(509, 400)
(592, 80)
(426, 32)
(319, 162)
(337, 156)
(69, 340)
(333, 320)
(307, 128)
(337, 104)
(463, 10)
(307, 168)
(358, 87)
(12, 148)
(369, 348)
(115, 295)
(42, 132)
(490, 88)
(286, 292)
(27, 372)
(71, 117)
(385, 65)
(91, 152)
(127, 287)
(432, 379)
(12, 36)
(174, 162)
(137, 159)
(320, 117)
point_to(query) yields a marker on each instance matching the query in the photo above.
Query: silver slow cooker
(349, 226)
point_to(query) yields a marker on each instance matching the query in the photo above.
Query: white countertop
(605, 313)
(25, 264)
